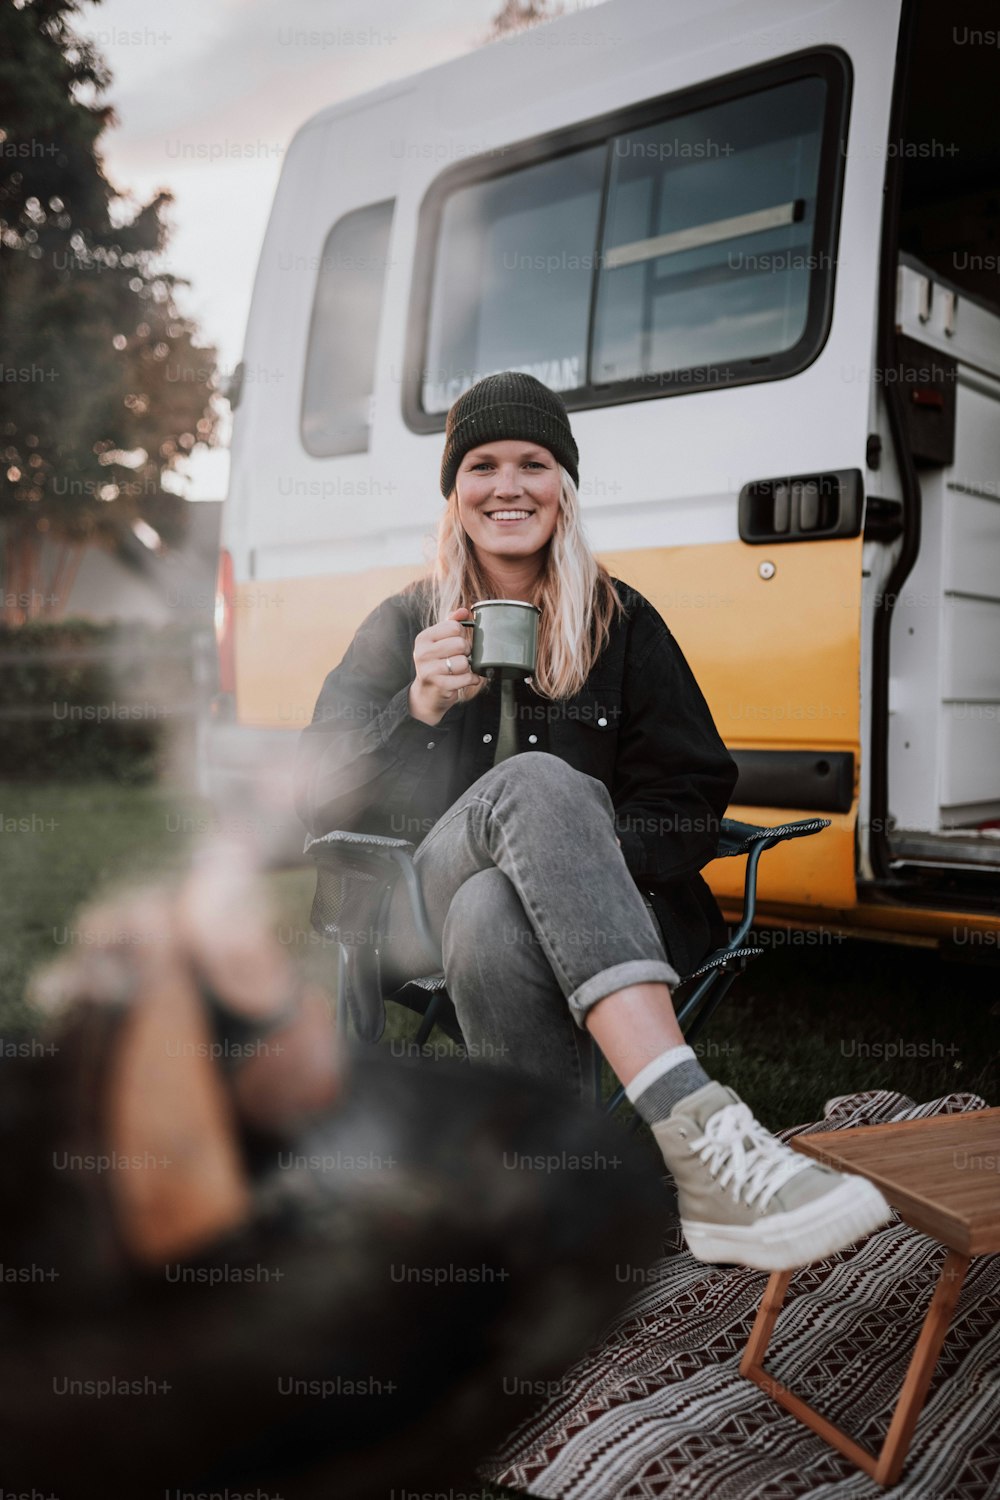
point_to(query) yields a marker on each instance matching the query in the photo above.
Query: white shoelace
(754, 1162)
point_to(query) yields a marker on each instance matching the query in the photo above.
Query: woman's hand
(435, 689)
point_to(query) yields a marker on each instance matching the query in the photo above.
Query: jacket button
(430, 744)
(487, 738)
(532, 739)
(602, 723)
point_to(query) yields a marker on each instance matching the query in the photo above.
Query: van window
(709, 230)
(506, 292)
(675, 248)
(340, 361)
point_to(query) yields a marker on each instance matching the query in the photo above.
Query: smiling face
(508, 503)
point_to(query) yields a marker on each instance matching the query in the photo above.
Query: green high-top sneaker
(747, 1198)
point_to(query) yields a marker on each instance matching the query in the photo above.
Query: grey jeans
(536, 911)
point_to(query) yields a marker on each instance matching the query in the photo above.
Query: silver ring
(447, 662)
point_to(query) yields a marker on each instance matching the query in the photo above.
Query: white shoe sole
(783, 1242)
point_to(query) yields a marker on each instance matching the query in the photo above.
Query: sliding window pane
(708, 246)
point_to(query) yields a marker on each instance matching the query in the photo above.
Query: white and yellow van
(750, 245)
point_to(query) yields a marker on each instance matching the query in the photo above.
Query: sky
(217, 76)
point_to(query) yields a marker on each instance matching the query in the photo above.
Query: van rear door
(934, 575)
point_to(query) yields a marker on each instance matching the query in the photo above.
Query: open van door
(931, 841)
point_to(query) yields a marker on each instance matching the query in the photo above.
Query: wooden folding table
(942, 1175)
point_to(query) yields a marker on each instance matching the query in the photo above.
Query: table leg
(921, 1368)
(886, 1468)
(752, 1366)
(767, 1316)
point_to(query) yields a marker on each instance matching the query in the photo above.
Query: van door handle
(801, 507)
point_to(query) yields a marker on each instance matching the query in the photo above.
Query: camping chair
(356, 876)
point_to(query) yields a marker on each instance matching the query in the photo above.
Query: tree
(92, 411)
(518, 15)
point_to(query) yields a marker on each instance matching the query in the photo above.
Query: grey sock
(665, 1081)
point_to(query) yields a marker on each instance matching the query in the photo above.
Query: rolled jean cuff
(635, 971)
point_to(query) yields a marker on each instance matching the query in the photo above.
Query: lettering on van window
(557, 374)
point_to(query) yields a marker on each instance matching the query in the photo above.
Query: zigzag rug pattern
(658, 1411)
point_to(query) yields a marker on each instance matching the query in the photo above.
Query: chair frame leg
(342, 1012)
(722, 988)
(711, 1005)
(429, 1018)
(597, 1074)
(714, 988)
(886, 1466)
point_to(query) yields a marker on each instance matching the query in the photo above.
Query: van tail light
(224, 623)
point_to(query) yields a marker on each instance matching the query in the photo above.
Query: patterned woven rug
(658, 1408)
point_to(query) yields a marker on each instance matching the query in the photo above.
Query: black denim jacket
(639, 724)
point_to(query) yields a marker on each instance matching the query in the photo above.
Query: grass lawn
(807, 1021)
(72, 841)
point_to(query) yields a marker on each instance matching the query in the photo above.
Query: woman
(535, 831)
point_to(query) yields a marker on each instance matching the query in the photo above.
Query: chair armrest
(740, 838)
(720, 959)
(339, 839)
(753, 841)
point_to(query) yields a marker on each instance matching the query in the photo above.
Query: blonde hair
(575, 594)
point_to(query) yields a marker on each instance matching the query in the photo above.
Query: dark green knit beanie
(508, 405)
